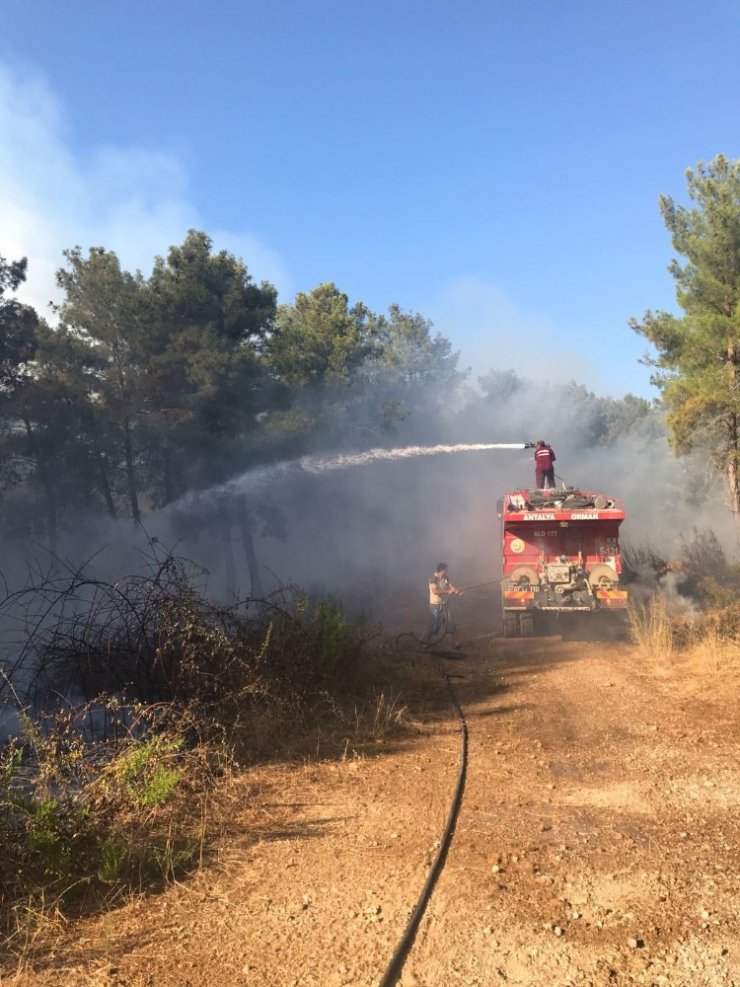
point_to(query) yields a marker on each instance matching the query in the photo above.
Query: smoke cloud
(372, 534)
(132, 200)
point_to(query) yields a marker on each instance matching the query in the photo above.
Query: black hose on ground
(393, 971)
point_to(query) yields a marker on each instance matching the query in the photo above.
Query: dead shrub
(651, 626)
(122, 792)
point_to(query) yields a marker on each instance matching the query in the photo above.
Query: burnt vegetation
(141, 698)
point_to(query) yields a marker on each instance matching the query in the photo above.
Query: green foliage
(343, 369)
(144, 771)
(205, 364)
(153, 387)
(113, 855)
(48, 836)
(319, 339)
(334, 634)
(698, 354)
(127, 814)
(18, 325)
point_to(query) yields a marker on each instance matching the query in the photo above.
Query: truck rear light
(612, 597)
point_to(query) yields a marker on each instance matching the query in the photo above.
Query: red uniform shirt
(544, 458)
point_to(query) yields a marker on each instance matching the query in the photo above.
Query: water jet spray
(262, 476)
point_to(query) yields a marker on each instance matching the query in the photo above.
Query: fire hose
(490, 582)
(395, 966)
(393, 971)
(420, 641)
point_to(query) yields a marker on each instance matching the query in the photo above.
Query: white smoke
(132, 200)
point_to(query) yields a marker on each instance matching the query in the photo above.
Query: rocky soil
(598, 841)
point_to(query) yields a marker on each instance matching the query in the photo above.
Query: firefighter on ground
(440, 620)
(544, 468)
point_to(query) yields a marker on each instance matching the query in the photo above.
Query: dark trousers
(545, 477)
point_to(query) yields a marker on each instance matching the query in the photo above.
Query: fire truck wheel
(526, 625)
(602, 575)
(511, 625)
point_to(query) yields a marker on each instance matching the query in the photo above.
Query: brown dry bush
(156, 639)
(123, 791)
(720, 624)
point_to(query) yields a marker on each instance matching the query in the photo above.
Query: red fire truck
(560, 553)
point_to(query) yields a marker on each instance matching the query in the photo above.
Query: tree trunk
(46, 484)
(167, 481)
(105, 484)
(130, 474)
(245, 525)
(731, 459)
(734, 489)
(224, 522)
(731, 470)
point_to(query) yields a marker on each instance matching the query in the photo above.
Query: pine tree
(698, 353)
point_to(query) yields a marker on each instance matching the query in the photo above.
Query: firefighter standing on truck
(440, 620)
(544, 468)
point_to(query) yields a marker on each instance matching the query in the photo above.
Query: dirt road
(598, 842)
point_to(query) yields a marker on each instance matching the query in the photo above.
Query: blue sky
(494, 166)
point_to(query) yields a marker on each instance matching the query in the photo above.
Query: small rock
(495, 869)
(487, 930)
(557, 930)
(635, 943)
(575, 914)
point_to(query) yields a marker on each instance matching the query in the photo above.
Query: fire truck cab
(560, 551)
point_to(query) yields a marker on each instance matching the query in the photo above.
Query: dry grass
(715, 643)
(712, 653)
(708, 640)
(652, 627)
(381, 717)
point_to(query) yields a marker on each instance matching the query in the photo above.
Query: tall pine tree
(698, 353)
